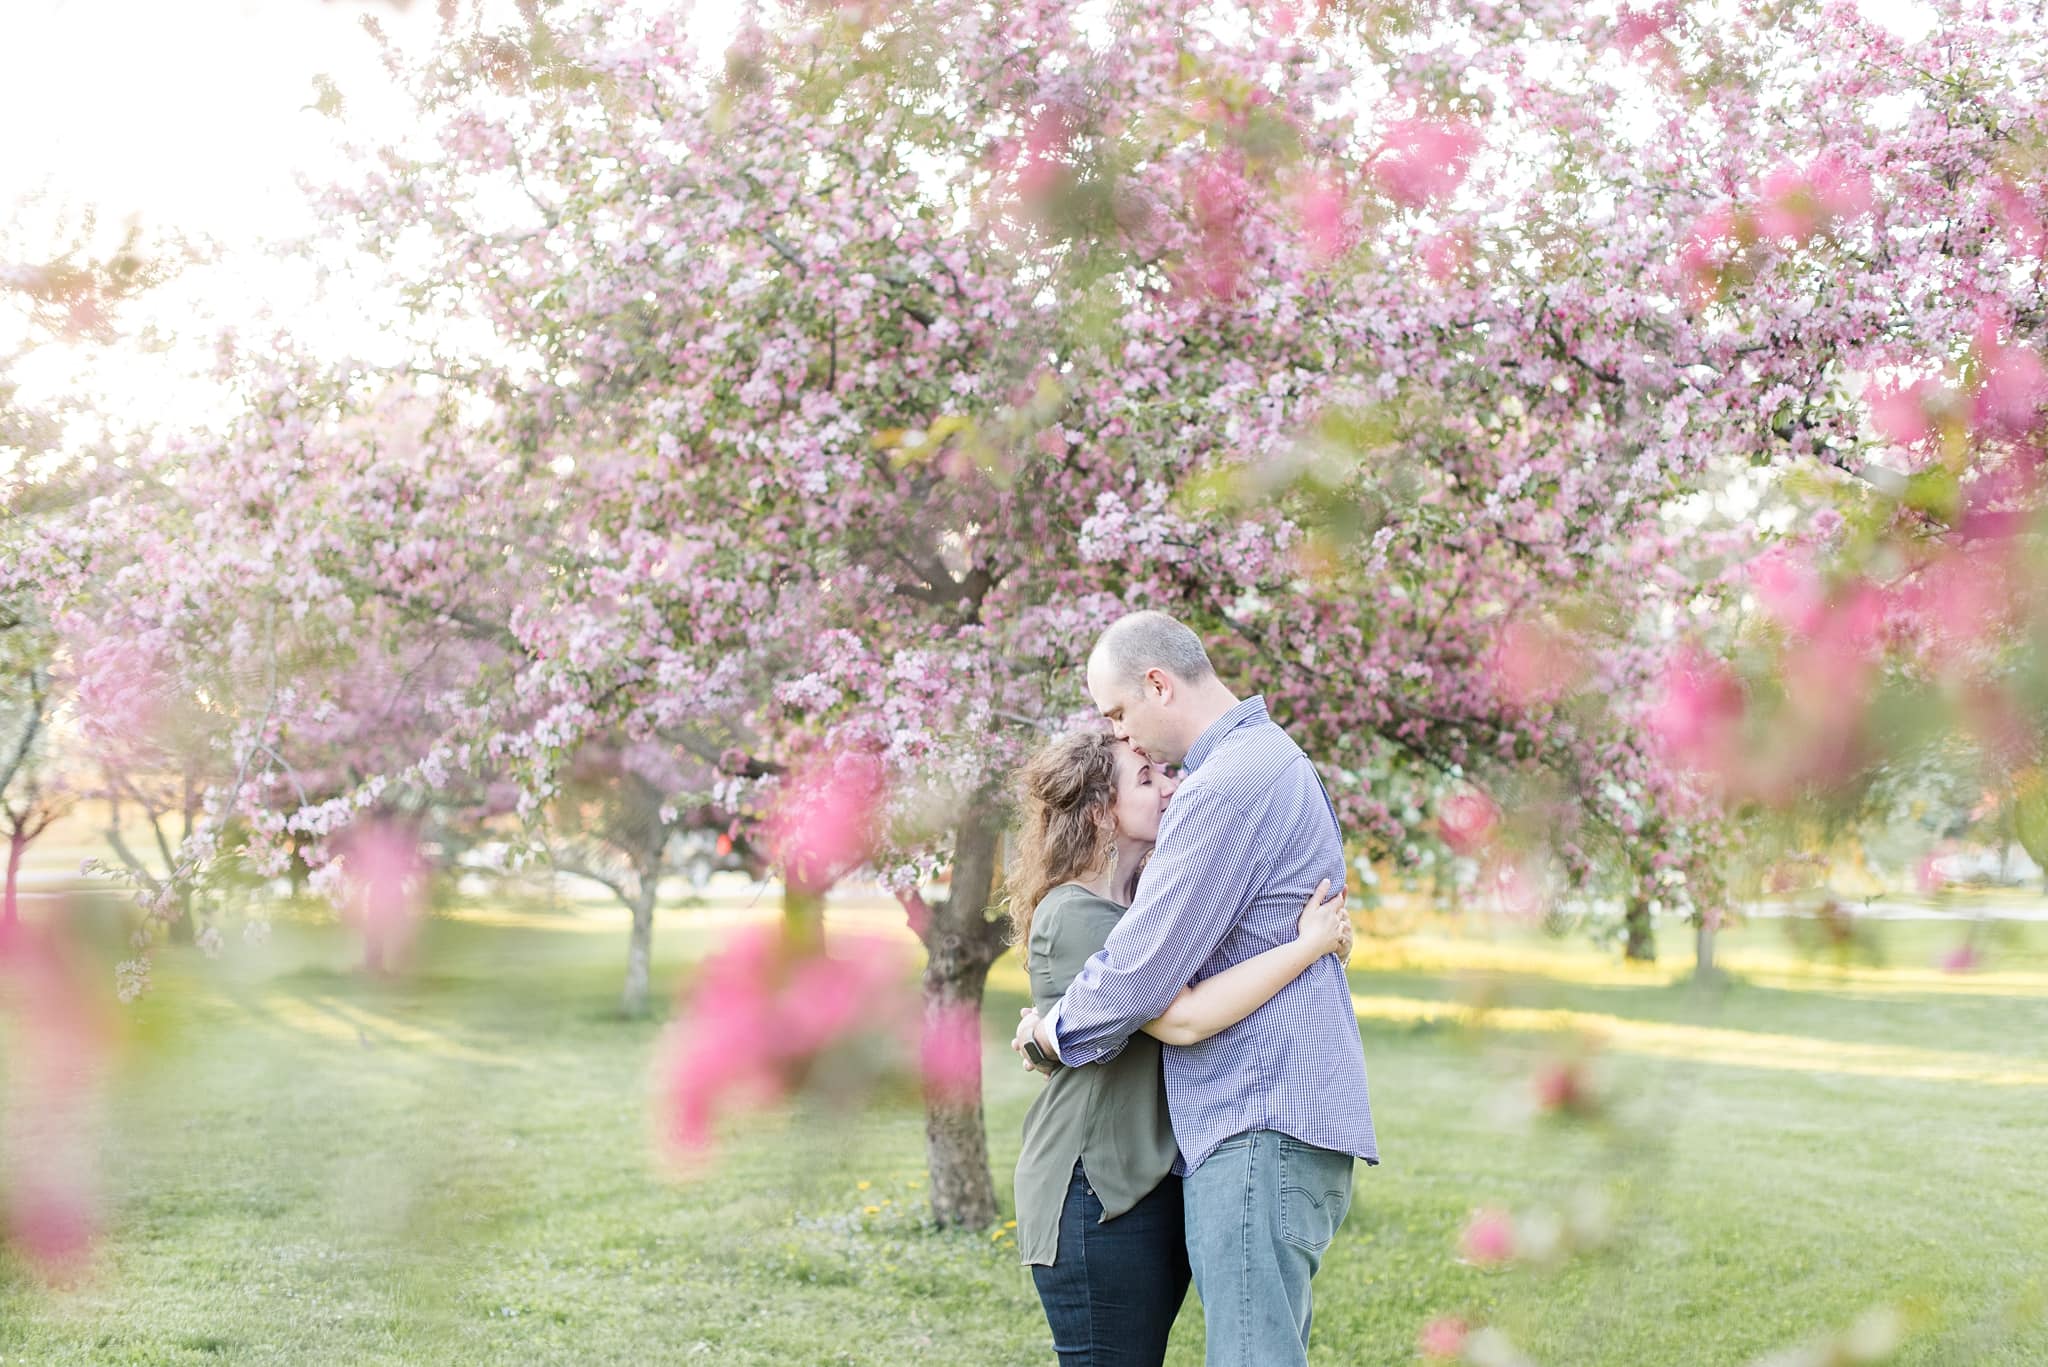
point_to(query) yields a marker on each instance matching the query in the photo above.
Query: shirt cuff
(1049, 1038)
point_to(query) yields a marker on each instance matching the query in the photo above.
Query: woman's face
(1142, 791)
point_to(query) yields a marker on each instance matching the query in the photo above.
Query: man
(1270, 1112)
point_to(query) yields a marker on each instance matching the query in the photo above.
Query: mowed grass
(303, 1166)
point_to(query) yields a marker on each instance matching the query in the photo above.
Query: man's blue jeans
(1261, 1211)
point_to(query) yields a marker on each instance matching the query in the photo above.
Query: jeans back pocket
(1315, 1194)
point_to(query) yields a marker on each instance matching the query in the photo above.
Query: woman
(1098, 1207)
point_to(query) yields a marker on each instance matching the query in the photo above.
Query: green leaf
(1935, 493)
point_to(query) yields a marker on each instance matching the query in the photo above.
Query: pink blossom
(1488, 1238)
(1961, 599)
(825, 994)
(1217, 199)
(1443, 1338)
(1644, 31)
(1467, 820)
(1964, 958)
(1561, 1086)
(52, 1226)
(760, 1015)
(1700, 712)
(822, 825)
(950, 1052)
(2025, 233)
(384, 888)
(1533, 664)
(1444, 255)
(1420, 160)
(1788, 587)
(1930, 875)
(1519, 886)
(2014, 384)
(1709, 245)
(1041, 163)
(57, 1063)
(1320, 203)
(1900, 411)
(1798, 201)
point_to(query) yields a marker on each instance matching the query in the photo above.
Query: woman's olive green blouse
(1111, 1116)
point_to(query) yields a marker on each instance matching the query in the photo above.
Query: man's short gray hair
(1152, 640)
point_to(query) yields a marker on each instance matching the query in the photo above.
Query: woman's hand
(1325, 925)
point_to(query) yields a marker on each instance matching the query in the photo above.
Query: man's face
(1136, 711)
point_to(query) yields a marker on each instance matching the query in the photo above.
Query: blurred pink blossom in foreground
(1700, 712)
(1443, 1338)
(1902, 411)
(949, 1054)
(1488, 1238)
(1534, 664)
(1519, 884)
(822, 824)
(1710, 246)
(1798, 201)
(2014, 385)
(383, 888)
(1467, 820)
(1964, 958)
(1322, 207)
(1420, 160)
(58, 1043)
(762, 1013)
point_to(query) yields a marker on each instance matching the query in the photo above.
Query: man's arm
(1202, 875)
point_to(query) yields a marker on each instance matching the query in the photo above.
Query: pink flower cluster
(763, 1014)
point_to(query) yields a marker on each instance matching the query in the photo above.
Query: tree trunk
(1703, 943)
(960, 943)
(1641, 944)
(633, 1001)
(10, 912)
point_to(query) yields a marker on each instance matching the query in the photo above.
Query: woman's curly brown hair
(1066, 803)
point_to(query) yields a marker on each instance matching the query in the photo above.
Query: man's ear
(1160, 684)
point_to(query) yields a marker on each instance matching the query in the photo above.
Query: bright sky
(189, 116)
(196, 116)
(188, 111)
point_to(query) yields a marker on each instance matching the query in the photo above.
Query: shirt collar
(1251, 709)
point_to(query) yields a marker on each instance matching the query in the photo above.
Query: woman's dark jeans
(1112, 1293)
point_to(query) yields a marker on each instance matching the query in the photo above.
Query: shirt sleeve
(1201, 877)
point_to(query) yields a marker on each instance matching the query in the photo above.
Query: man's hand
(1027, 1029)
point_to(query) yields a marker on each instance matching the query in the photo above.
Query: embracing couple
(1207, 1084)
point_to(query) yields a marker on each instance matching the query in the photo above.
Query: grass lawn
(305, 1167)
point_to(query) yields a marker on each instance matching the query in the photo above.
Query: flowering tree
(612, 821)
(66, 296)
(817, 409)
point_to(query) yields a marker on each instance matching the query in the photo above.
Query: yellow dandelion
(1009, 1224)
(872, 1210)
(862, 1186)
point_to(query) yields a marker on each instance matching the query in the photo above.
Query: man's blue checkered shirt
(1243, 843)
